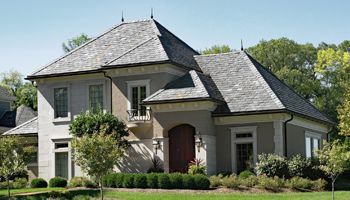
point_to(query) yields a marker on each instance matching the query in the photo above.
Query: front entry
(181, 147)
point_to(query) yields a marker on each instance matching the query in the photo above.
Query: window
(312, 144)
(138, 95)
(96, 97)
(61, 102)
(137, 92)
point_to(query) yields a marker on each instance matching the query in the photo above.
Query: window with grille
(95, 97)
(61, 102)
(312, 144)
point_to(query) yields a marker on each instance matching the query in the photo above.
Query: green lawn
(132, 195)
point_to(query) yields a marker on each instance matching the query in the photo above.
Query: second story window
(61, 102)
(138, 91)
(138, 95)
(96, 97)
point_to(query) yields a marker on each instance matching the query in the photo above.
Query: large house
(178, 105)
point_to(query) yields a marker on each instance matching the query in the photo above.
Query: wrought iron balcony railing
(136, 115)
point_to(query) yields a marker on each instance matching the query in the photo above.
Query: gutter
(110, 88)
(285, 134)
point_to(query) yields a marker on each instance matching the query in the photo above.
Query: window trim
(312, 136)
(62, 119)
(104, 107)
(131, 84)
(234, 141)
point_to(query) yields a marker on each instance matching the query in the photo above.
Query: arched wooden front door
(181, 147)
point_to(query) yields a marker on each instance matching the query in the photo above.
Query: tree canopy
(216, 49)
(75, 42)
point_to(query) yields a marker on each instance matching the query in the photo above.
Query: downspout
(285, 134)
(110, 88)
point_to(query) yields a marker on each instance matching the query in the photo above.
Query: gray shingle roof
(193, 85)
(28, 127)
(247, 86)
(5, 95)
(130, 43)
(17, 117)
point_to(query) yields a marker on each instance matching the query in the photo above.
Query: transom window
(312, 144)
(61, 102)
(95, 97)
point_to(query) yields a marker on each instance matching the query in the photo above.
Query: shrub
(245, 174)
(19, 183)
(20, 174)
(224, 173)
(81, 197)
(250, 181)
(272, 165)
(81, 182)
(196, 167)
(128, 181)
(164, 181)
(319, 185)
(152, 180)
(216, 181)
(230, 181)
(108, 180)
(38, 183)
(57, 182)
(299, 166)
(201, 182)
(176, 180)
(299, 183)
(270, 183)
(188, 181)
(156, 166)
(140, 181)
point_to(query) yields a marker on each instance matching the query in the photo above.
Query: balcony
(138, 117)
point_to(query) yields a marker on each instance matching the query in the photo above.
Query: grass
(3, 192)
(139, 195)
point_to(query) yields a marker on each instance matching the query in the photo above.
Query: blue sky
(32, 32)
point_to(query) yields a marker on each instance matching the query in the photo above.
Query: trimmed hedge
(58, 182)
(157, 180)
(38, 183)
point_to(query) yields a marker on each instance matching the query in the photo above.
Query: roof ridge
(128, 51)
(272, 92)
(20, 126)
(218, 54)
(308, 102)
(158, 24)
(79, 47)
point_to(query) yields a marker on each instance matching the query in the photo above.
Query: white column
(207, 152)
(163, 152)
(278, 138)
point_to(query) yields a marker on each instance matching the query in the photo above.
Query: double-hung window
(61, 102)
(95, 97)
(312, 144)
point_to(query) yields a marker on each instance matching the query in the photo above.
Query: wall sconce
(199, 141)
(156, 145)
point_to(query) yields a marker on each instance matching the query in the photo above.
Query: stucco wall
(296, 139)
(265, 143)
(120, 98)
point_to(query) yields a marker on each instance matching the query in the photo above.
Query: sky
(32, 32)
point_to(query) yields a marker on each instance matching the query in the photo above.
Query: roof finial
(242, 45)
(122, 16)
(151, 13)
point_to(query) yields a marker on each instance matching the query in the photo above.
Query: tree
(75, 42)
(99, 143)
(334, 160)
(344, 115)
(11, 80)
(216, 49)
(333, 70)
(293, 63)
(27, 95)
(14, 157)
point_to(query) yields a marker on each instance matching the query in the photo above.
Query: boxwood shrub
(152, 180)
(128, 181)
(140, 181)
(176, 181)
(38, 183)
(188, 181)
(164, 181)
(201, 182)
(58, 182)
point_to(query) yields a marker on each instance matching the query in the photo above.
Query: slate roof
(247, 87)
(127, 44)
(17, 117)
(5, 95)
(192, 86)
(28, 127)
